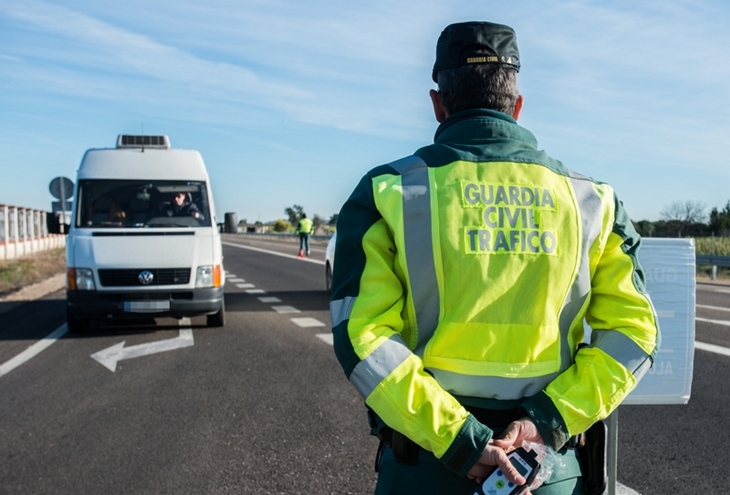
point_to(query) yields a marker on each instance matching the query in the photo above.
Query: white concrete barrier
(24, 231)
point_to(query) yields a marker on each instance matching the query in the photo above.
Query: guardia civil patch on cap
(464, 43)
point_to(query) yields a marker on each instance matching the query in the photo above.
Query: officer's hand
(522, 430)
(491, 457)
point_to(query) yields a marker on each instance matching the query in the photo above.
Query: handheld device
(497, 483)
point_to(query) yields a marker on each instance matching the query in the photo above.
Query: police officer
(463, 275)
(304, 229)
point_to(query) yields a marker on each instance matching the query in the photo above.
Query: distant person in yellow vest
(305, 230)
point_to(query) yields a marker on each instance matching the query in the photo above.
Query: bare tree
(686, 212)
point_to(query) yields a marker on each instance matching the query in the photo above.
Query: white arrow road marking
(111, 355)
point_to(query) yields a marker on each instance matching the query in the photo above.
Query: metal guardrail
(709, 259)
(712, 260)
(287, 237)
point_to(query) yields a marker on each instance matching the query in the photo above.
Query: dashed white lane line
(716, 308)
(255, 291)
(285, 309)
(269, 299)
(712, 348)
(234, 280)
(245, 286)
(325, 337)
(33, 350)
(716, 322)
(307, 322)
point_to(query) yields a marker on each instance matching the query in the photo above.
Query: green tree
(720, 220)
(294, 213)
(281, 226)
(317, 222)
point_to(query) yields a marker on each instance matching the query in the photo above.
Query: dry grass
(18, 273)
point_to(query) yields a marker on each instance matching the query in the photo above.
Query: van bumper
(144, 305)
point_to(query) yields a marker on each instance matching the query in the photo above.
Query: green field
(707, 245)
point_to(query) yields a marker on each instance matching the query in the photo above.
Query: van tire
(217, 319)
(328, 277)
(76, 325)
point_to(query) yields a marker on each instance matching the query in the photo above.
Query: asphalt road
(261, 406)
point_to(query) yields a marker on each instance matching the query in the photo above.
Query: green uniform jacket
(464, 274)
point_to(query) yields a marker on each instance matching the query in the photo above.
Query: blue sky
(292, 102)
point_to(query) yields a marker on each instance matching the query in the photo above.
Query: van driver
(182, 206)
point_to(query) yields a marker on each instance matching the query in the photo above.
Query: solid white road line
(275, 253)
(33, 350)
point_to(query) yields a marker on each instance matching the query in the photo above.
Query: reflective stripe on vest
(379, 364)
(340, 310)
(419, 246)
(622, 349)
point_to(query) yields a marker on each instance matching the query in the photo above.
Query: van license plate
(146, 306)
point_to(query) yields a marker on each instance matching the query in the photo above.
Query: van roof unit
(128, 141)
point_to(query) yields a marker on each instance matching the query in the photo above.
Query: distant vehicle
(143, 240)
(329, 261)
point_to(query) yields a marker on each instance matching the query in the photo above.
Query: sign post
(670, 269)
(62, 188)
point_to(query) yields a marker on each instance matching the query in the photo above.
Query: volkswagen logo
(145, 277)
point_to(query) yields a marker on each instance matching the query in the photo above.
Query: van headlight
(208, 276)
(80, 279)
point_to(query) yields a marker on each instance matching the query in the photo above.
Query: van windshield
(142, 204)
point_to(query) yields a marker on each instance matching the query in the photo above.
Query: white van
(143, 240)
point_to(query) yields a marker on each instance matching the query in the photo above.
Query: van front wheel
(217, 319)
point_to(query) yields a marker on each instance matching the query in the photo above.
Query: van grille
(130, 277)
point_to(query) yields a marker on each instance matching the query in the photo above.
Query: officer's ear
(439, 109)
(518, 107)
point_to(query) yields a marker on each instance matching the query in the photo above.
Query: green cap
(456, 45)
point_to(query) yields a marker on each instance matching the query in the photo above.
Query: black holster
(592, 450)
(405, 450)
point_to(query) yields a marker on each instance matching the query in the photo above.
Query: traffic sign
(56, 206)
(61, 188)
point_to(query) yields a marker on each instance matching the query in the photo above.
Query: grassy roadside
(21, 272)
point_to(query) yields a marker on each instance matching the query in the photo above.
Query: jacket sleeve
(624, 341)
(368, 299)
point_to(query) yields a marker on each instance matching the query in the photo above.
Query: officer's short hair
(491, 86)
